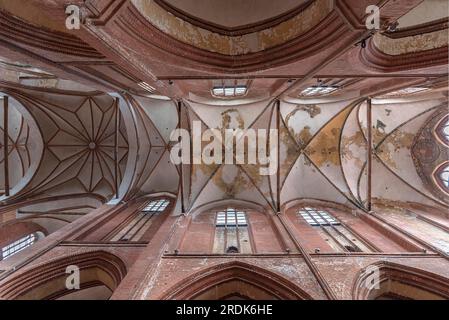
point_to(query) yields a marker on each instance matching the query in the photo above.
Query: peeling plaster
(234, 45)
(418, 43)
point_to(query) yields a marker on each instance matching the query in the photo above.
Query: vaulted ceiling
(92, 110)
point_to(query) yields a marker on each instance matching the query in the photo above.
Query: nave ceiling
(100, 135)
(322, 150)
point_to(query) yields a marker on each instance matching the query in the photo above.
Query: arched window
(231, 232)
(442, 130)
(332, 231)
(139, 224)
(441, 176)
(19, 245)
(444, 175)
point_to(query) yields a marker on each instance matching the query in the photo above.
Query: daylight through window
(18, 246)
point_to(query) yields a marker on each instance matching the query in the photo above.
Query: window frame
(155, 206)
(18, 245)
(313, 216)
(239, 219)
(147, 212)
(329, 221)
(238, 222)
(318, 91)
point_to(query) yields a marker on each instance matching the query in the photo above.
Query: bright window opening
(18, 246)
(406, 91)
(444, 176)
(145, 86)
(442, 130)
(229, 91)
(445, 129)
(336, 235)
(231, 218)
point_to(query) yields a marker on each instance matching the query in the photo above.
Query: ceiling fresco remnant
(393, 143)
(233, 181)
(400, 148)
(442, 130)
(335, 149)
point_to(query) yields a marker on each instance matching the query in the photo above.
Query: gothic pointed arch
(235, 280)
(24, 145)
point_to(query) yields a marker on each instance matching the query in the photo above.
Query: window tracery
(231, 232)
